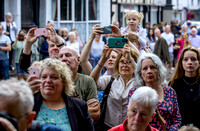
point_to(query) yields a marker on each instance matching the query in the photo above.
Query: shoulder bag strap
(107, 90)
(162, 120)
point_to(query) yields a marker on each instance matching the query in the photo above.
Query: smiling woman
(54, 99)
(151, 72)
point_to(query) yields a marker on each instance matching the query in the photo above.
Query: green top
(18, 48)
(85, 87)
(55, 117)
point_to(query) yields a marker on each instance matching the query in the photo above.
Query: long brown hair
(179, 72)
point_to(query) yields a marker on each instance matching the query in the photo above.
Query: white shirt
(74, 45)
(13, 29)
(97, 48)
(116, 110)
(169, 38)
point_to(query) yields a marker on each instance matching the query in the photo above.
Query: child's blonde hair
(129, 13)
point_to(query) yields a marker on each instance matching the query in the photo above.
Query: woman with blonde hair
(122, 77)
(135, 33)
(186, 83)
(184, 42)
(54, 104)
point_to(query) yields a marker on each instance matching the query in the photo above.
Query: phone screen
(106, 30)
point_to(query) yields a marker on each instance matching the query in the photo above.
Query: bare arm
(31, 38)
(104, 57)
(85, 64)
(7, 48)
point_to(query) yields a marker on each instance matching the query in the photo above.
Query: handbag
(99, 124)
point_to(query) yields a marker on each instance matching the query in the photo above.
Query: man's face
(70, 57)
(53, 50)
(1, 29)
(167, 29)
(193, 33)
(157, 33)
(139, 116)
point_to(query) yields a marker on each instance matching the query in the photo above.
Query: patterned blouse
(55, 117)
(169, 110)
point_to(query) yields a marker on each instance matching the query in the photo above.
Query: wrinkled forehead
(67, 50)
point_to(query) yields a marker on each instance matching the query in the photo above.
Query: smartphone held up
(34, 71)
(106, 30)
(117, 42)
(41, 31)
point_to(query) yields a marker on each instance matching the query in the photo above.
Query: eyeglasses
(121, 63)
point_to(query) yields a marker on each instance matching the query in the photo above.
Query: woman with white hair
(72, 42)
(10, 29)
(151, 72)
(141, 110)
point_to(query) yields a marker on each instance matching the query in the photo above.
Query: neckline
(187, 80)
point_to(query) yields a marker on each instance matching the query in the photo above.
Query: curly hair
(64, 72)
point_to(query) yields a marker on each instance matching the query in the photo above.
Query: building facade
(78, 14)
(154, 11)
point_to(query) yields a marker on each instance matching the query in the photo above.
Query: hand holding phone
(34, 71)
(106, 30)
(41, 31)
(116, 42)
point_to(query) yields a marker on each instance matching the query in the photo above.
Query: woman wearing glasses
(123, 81)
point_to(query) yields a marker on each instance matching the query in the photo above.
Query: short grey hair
(15, 91)
(156, 60)
(72, 33)
(194, 29)
(9, 14)
(146, 96)
(65, 29)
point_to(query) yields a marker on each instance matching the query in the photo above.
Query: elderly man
(16, 100)
(161, 47)
(194, 38)
(5, 46)
(141, 110)
(85, 86)
(169, 37)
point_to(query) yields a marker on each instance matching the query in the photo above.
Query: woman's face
(132, 21)
(52, 84)
(71, 38)
(65, 33)
(149, 71)
(125, 67)
(110, 62)
(190, 62)
(150, 32)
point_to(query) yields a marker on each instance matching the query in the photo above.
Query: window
(66, 10)
(93, 10)
(80, 9)
(54, 10)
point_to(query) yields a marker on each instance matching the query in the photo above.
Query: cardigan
(77, 110)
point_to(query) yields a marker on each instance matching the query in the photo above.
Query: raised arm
(85, 64)
(104, 57)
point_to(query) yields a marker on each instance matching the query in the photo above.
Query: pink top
(181, 42)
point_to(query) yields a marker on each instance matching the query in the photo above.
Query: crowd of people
(93, 87)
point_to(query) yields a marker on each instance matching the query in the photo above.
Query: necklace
(189, 83)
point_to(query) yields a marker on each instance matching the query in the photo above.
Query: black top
(77, 110)
(188, 95)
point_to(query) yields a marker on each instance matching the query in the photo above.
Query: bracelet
(99, 64)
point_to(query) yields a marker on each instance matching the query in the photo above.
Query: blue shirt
(55, 117)
(4, 40)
